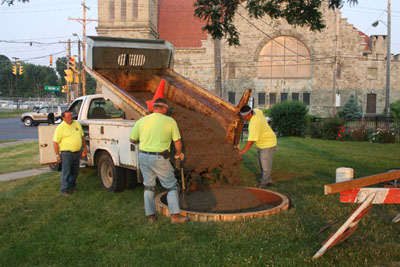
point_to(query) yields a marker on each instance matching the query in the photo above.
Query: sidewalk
(22, 174)
(22, 141)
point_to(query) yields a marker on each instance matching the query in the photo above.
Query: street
(14, 129)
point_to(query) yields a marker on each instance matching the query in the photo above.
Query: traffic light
(14, 70)
(51, 60)
(69, 78)
(21, 70)
(72, 62)
(64, 89)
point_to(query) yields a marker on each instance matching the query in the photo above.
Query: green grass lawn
(97, 228)
(19, 157)
(12, 114)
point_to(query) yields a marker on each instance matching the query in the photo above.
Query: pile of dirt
(207, 154)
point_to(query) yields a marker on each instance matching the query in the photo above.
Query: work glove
(181, 157)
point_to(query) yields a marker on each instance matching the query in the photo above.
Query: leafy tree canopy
(11, 2)
(219, 14)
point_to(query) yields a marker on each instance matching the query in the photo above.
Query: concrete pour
(210, 162)
(209, 159)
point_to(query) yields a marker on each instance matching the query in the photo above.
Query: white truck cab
(107, 138)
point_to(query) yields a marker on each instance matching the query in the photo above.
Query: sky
(46, 24)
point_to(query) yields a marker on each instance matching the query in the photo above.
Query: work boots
(177, 218)
(152, 218)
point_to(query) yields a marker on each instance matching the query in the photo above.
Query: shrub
(384, 136)
(316, 130)
(362, 133)
(331, 127)
(289, 118)
(395, 112)
(266, 112)
(344, 134)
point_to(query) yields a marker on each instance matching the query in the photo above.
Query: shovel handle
(183, 180)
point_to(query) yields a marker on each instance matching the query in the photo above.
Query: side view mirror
(50, 118)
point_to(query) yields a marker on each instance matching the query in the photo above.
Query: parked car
(40, 116)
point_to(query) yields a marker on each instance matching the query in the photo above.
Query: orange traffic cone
(159, 93)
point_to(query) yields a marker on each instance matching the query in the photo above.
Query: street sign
(52, 88)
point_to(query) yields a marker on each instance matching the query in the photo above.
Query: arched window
(284, 57)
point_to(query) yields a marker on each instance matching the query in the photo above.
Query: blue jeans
(265, 157)
(70, 170)
(153, 166)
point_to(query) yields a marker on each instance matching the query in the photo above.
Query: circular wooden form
(280, 202)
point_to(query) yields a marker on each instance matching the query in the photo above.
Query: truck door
(46, 149)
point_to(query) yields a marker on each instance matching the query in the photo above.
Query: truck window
(75, 107)
(43, 110)
(103, 109)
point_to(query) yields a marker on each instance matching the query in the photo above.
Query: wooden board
(361, 182)
(348, 227)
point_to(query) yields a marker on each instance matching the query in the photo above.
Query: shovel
(185, 206)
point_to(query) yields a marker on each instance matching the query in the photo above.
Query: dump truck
(124, 69)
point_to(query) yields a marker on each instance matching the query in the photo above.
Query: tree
(90, 84)
(11, 2)
(34, 79)
(61, 65)
(351, 109)
(219, 14)
(7, 79)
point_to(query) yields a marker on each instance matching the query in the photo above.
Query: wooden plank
(348, 227)
(360, 182)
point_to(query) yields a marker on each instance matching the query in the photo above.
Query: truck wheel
(131, 179)
(55, 167)
(112, 178)
(28, 122)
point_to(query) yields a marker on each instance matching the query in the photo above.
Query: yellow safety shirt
(155, 132)
(260, 132)
(69, 137)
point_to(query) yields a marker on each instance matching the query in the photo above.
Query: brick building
(278, 61)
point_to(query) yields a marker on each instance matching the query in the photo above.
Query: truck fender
(97, 154)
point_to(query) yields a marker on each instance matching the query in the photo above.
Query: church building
(277, 61)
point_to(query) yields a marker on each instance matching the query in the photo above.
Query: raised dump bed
(126, 67)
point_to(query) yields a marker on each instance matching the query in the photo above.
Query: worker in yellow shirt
(154, 133)
(260, 134)
(68, 141)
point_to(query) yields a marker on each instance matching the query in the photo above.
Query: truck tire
(28, 121)
(112, 178)
(131, 179)
(55, 167)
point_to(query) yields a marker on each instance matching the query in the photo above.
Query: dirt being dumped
(209, 159)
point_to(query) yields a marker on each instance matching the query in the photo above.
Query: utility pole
(217, 67)
(83, 22)
(388, 58)
(68, 83)
(335, 62)
(79, 68)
